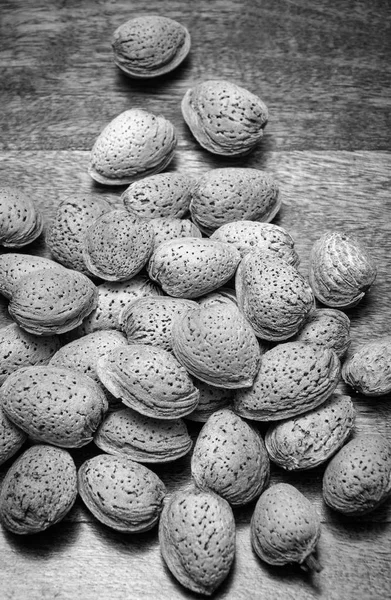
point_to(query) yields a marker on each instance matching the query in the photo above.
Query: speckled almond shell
(308, 440)
(11, 438)
(121, 493)
(150, 45)
(368, 369)
(18, 348)
(273, 295)
(230, 458)
(358, 478)
(229, 194)
(38, 490)
(149, 380)
(66, 231)
(211, 400)
(54, 405)
(224, 118)
(149, 320)
(285, 527)
(340, 270)
(83, 354)
(294, 378)
(113, 297)
(117, 245)
(133, 145)
(14, 266)
(170, 228)
(248, 236)
(191, 267)
(21, 221)
(143, 439)
(217, 345)
(160, 195)
(328, 327)
(197, 539)
(52, 301)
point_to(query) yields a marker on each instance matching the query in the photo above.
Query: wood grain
(324, 69)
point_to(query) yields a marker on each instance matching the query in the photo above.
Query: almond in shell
(159, 195)
(229, 194)
(39, 489)
(150, 45)
(54, 405)
(191, 267)
(135, 144)
(149, 380)
(273, 295)
(308, 440)
(126, 432)
(368, 369)
(21, 221)
(197, 538)
(358, 478)
(121, 493)
(293, 378)
(230, 458)
(224, 118)
(341, 269)
(217, 345)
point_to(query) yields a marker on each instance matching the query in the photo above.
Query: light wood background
(324, 70)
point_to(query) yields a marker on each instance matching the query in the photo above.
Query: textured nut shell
(211, 399)
(113, 297)
(192, 267)
(358, 478)
(54, 405)
(294, 378)
(197, 539)
(340, 270)
(224, 118)
(149, 320)
(11, 438)
(143, 439)
(285, 527)
(230, 458)
(217, 345)
(308, 440)
(121, 493)
(273, 295)
(83, 354)
(38, 490)
(133, 145)
(149, 46)
(52, 301)
(21, 221)
(18, 348)
(14, 266)
(326, 326)
(117, 245)
(65, 233)
(149, 380)
(229, 194)
(248, 236)
(160, 195)
(368, 369)
(170, 228)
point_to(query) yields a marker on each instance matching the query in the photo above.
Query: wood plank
(323, 71)
(85, 559)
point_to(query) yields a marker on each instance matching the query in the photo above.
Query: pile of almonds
(183, 303)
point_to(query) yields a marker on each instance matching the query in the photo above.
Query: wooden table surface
(324, 70)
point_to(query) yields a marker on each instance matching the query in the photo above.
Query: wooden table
(324, 70)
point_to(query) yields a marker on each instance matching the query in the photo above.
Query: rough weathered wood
(324, 70)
